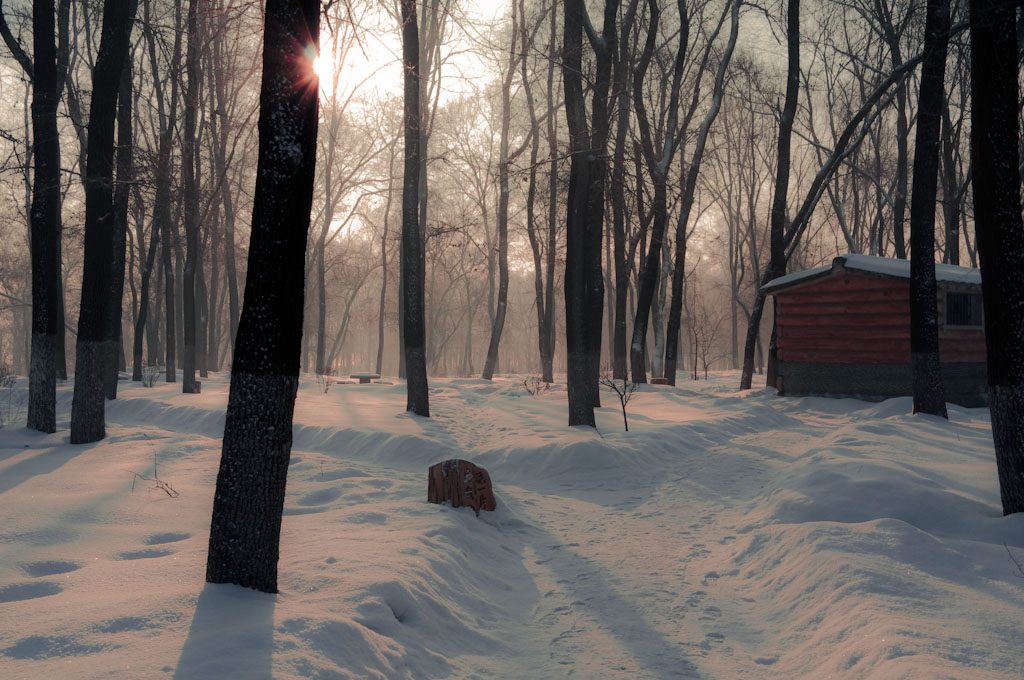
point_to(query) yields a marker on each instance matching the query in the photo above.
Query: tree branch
(13, 45)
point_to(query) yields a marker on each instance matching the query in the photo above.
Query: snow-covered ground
(726, 535)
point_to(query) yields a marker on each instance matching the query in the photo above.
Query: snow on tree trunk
(1000, 231)
(45, 222)
(87, 407)
(246, 524)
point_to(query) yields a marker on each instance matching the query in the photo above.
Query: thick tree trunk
(929, 391)
(1000, 232)
(413, 320)
(87, 407)
(584, 281)
(45, 223)
(246, 524)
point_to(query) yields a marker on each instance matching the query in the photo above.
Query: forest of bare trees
(586, 187)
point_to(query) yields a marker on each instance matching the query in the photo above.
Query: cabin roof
(871, 264)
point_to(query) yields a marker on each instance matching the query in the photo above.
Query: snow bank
(727, 534)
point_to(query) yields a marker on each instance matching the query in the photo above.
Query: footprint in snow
(710, 614)
(712, 639)
(320, 497)
(48, 647)
(146, 554)
(367, 518)
(49, 568)
(168, 537)
(16, 592)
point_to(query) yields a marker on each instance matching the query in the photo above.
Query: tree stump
(460, 483)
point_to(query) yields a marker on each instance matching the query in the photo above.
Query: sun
(323, 67)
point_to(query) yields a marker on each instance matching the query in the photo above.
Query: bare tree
(588, 141)
(122, 190)
(44, 219)
(87, 407)
(995, 99)
(414, 336)
(246, 525)
(675, 311)
(190, 192)
(929, 391)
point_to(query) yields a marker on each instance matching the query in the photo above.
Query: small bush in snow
(624, 389)
(535, 386)
(149, 374)
(7, 382)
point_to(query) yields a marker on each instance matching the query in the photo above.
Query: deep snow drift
(725, 535)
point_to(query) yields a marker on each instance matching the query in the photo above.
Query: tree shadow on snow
(232, 635)
(596, 601)
(43, 461)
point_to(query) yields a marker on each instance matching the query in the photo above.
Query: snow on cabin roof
(885, 266)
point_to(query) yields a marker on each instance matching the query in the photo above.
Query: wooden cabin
(844, 330)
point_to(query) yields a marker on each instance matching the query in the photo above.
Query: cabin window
(963, 309)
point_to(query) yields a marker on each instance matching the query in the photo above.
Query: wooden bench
(365, 378)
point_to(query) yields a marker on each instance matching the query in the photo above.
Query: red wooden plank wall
(845, 317)
(850, 317)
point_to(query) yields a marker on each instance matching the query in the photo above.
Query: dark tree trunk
(413, 279)
(995, 93)
(621, 74)
(584, 281)
(546, 332)
(60, 353)
(899, 207)
(87, 407)
(210, 310)
(929, 391)
(146, 274)
(950, 191)
(162, 199)
(190, 190)
(202, 317)
(246, 525)
(657, 165)
(45, 222)
(122, 190)
(777, 262)
(384, 260)
(170, 333)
